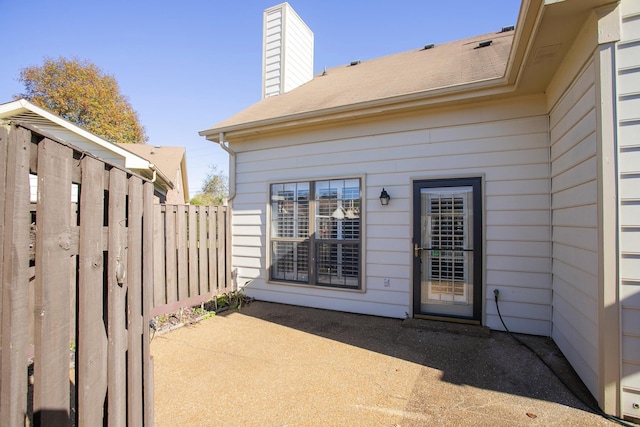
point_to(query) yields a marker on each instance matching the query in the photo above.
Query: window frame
(312, 241)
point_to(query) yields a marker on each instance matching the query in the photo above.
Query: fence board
(203, 264)
(134, 304)
(171, 254)
(147, 302)
(117, 291)
(52, 285)
(4, 137)
(159, 274)
(212, 249)
(92, 340)
(183, 263)
(14, 275)
(192, 229)
(222, 249)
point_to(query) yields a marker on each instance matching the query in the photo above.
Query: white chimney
(287, 51)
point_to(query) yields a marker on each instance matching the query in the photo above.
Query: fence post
(231, 279)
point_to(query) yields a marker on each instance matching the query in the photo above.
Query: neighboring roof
(420, 70)
(49, 123)
(169, 160)
(26, 112)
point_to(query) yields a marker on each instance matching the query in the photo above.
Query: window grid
(323, 250)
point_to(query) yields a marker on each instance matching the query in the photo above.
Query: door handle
(416, 250)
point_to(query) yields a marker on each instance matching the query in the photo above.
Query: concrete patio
(280, 365)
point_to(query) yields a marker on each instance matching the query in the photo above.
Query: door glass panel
(447, 251)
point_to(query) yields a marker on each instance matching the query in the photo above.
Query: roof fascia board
(411, 101)
(185, 181)
(132, 160)
(529, 20)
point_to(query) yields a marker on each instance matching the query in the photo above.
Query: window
(315, 233)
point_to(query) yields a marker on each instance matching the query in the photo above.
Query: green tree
(215, 189)
(80, 92)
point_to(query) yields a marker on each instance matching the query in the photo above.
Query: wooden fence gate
(76, 276)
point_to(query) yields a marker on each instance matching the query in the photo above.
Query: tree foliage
(80, 92)
(215, 189)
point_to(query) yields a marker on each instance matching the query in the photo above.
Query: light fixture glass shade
(384, 197)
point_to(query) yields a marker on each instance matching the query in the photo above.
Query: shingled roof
(170, 160)
(417, 71)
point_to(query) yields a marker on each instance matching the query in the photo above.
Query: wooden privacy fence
(191, 255)
(73, 275)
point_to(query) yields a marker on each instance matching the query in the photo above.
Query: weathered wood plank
(203, 264)
(222, 248)
(159, 282)
(183, 265)
(52, 326)
(15, 147)
(4, 139)
(91, 363)
(134, 304)
(230, 283)
(147, 302)
(170, 254)
(193, 251)
(117, 291)
(212, 249)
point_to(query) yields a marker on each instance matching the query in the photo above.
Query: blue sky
(188, 65)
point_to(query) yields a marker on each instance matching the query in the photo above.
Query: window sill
(324, 288)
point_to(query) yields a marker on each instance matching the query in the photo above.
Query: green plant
(231, 300)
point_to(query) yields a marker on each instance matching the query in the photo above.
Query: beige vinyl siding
(505, 143)
(574, 220)
(629, 193)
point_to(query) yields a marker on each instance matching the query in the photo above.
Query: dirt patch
(191, 315)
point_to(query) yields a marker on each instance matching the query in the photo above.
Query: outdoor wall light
(384, 197)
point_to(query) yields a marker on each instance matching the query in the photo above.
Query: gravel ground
(279, 365)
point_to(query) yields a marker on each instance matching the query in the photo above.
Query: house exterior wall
(175, 196)
(628, 63)
(505, 143)
(575, 226)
